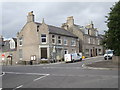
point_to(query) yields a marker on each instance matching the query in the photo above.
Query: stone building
(89, 39)
(8, 51)
(39, 41)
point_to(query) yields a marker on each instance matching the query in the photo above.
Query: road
(59, 75)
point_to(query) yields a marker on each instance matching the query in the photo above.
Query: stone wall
(116, 59)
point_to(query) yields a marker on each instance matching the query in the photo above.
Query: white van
(72, 57)
(108, 54)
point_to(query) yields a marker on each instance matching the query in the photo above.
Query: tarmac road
(59, 75)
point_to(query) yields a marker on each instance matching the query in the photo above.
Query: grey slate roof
(58, 30)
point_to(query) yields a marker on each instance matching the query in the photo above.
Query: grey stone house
(8, 48)
(39, 41)
(89, 39)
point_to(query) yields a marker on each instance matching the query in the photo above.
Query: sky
(14, 14)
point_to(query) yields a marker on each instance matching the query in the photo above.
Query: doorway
(43, 53)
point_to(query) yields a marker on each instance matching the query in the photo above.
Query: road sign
(3, 55)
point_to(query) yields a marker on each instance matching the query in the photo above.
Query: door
(43, 53)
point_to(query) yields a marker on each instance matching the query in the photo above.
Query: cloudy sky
(55, 13)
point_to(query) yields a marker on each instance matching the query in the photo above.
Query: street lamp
(54, 53)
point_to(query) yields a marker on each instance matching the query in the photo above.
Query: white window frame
(65, 40)
(21, 40)
(60, 40)
(12, 44)
(89, 40)
(73, 41)
(66, 51)
(87, 51)
(53, 39)
(93, 41)
(21, 54)
(98, 42)
(43, 38)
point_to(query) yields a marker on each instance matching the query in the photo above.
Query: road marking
(62, 67)
(40, 78)
(3, 73)
(86, 75)
(18, 87)
(27, 73)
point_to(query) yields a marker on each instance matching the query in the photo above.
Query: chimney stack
(30, 17)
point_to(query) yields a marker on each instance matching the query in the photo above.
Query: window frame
(74, 42)
(53, 38)
(21, 41)
(66, 41)
(43, 38)
(60, 40)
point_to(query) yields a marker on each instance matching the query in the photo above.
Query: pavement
(106, 64)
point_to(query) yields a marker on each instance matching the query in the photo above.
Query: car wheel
(105, 58)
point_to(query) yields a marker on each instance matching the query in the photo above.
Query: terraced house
(89, 37)
(39, 41)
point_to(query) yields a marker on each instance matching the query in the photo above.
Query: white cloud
(55, 13)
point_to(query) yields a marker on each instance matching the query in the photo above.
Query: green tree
(112, 36)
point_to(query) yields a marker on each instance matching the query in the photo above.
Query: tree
(112, 36)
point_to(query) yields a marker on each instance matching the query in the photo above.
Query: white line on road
(40, 78)
(27, 73)
(62, 68)
(3, 73)
(19, 86)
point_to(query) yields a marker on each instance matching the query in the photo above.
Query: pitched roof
(15, 39)
(6, 46)
(58, 30)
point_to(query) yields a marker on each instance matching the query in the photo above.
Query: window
(93, 41)
(43, 38)
(59, 40)
(100, 51)
(20, 54)
(53, 39)
(33, 57)
(12, 45)
(65, 51)
(73, 43)
(65, 41)
(20, 41)
(98, 42)
(87, 51)
(89, 40)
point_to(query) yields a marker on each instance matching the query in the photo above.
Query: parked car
(108, 54)
(72, 57)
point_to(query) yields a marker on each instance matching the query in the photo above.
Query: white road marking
(86, 75)
(62, 67)
(27, 73)
(3, 73)
(40, 78)
(19, 86)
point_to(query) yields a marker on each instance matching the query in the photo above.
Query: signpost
(3, 58)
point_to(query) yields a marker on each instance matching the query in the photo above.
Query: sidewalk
(106, 64)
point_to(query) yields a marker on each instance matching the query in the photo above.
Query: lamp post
(54, 53)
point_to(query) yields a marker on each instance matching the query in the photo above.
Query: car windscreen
(109, 52)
